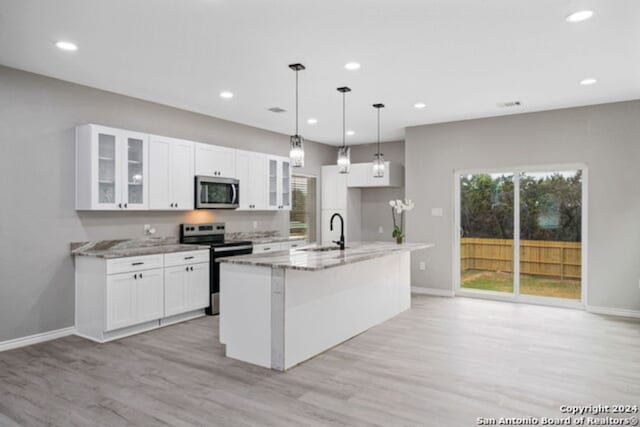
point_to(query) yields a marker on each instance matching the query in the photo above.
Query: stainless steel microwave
(213, 192)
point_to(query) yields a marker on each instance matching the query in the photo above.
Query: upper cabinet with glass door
(111, 169)
(279, 183)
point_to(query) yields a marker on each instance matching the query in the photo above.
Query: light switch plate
(255, 225)
(423, 265)
(437, 212)
(380, 230)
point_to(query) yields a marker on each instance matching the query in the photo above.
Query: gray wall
(605, 137)
(376, 211)
(37, 217)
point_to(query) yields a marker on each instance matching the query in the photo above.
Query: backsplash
(130, 225)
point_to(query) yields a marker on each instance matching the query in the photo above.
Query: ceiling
(460, 57)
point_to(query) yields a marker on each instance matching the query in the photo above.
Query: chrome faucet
(341, 241)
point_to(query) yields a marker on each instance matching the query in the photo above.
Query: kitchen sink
(322, 249)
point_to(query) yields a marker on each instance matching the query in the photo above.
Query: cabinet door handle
(267, 249)
(191, 268)
(141, 275)
(186, 269)
(171, 205)
(176, 205)
(135, 276)
(120, 205)
(125, 205)
(137, 263)
(189, 257)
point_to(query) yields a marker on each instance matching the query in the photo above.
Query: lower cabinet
(124, 296)
(186, 288)
(134, 298)
(278, 246)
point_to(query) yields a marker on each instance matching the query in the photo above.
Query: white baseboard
(611, 311)
(432, 291)
(36, 338)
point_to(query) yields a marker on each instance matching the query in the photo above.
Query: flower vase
(399, 240)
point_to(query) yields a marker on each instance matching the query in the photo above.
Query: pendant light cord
(344, 129)
(296, 102)
(378, 133)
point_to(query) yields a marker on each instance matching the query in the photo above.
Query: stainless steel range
(213, 235)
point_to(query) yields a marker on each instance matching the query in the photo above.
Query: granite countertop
(260, 237)
(301, 259)
(110, 249)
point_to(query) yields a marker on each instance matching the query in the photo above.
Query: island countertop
(309, 260)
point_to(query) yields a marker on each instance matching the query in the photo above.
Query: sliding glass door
(551, 234)
(520, 234)
(486, 232)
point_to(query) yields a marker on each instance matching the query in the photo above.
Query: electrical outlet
(423, 265)
(255, 225)
(380, 230)
(148, 230)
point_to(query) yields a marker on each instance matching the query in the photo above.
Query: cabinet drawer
(191, 257)
(125, 265)
(267, 247)
(293, 244)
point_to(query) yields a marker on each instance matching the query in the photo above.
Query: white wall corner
(36, 338)
(612, 311)
(432, 291)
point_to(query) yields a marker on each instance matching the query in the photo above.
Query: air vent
(509, 104)
(277, 110)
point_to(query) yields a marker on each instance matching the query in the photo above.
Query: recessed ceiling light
(350, 133)
(66, 46)
(312, 121)
(420, 105)
(588, 81)
(226, 94)
(582, 15)
(351, 65)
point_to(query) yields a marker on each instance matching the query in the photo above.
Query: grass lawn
(529, 285)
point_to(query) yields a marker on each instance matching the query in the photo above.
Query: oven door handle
(232, 248)
(235, 194)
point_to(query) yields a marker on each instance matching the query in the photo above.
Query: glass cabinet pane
(286, 188)
(135, 169)
(273, 182)
(106, 168)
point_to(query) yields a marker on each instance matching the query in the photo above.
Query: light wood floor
(442, 363)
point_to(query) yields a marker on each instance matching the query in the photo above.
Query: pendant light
(378, 158)
(296, 151)
(344, 152)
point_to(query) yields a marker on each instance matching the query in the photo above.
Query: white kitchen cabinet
(278, 246)
(334, 188)
(171, 176)
(124, 296)
(134, 298)
(338, 198)
(251, 171)
(212, 160)
(361, 176)
(186, 288)
(112, 171)
(121, 301)
(292, 244)
(279, 183)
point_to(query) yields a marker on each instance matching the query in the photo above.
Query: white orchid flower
(392, 203)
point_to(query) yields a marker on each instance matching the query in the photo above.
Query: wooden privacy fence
(537, 257)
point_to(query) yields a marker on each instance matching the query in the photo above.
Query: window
(302, 219)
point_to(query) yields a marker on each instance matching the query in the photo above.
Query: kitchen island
(279, 309)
